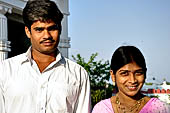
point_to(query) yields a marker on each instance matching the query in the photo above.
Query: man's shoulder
(13, 60)
(73, 66)
(72, 63)
(8, 65)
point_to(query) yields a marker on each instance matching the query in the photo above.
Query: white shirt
(63, 87)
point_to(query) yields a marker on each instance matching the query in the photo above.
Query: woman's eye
(125, 73)
(139, 73)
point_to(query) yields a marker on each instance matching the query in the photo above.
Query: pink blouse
(154, 105)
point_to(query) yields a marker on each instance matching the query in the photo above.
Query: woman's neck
(127, 100)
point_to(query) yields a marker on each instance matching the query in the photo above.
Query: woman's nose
(132, 78)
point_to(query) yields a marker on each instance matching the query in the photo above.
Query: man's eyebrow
(36, 28)
(53, 27)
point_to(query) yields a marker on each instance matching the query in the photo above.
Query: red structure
(150, 91)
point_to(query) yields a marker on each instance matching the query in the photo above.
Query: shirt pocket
(63, 96)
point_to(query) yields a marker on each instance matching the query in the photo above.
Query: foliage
(148, 83)
(99, 77)
(154, 96)
(168, 83)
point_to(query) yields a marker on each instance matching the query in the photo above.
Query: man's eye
(39, 29)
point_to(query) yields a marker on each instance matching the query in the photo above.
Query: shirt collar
(28, 57)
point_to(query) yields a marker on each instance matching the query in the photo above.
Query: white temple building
(13, 40)
(161, 91)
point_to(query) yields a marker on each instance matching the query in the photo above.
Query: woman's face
(129, 79)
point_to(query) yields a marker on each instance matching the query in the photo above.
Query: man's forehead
(42, 24)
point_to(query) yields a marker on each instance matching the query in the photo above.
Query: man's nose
(47, 33)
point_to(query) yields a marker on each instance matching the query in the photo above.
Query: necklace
(135, 107)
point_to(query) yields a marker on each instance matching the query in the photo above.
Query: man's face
(44, 36)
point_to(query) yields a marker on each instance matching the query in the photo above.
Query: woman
(128, 71)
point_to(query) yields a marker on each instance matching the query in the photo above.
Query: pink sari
(154, 105)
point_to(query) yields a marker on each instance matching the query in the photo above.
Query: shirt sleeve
(83, 104)
(2, 108)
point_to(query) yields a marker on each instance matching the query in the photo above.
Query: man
(42, 80)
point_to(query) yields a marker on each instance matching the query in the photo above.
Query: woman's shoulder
(104, 106)
(155, 105)
(157, 102)
(105, 101)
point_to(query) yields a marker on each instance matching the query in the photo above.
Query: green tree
(99, 77)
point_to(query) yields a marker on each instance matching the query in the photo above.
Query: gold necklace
(131, 109)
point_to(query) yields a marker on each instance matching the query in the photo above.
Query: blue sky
(103, 25)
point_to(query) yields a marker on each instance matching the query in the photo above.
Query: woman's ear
(112, 76)
(27, 32)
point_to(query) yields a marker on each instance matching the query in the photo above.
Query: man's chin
(48, 51)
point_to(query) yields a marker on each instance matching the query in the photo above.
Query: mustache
(47, 39)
